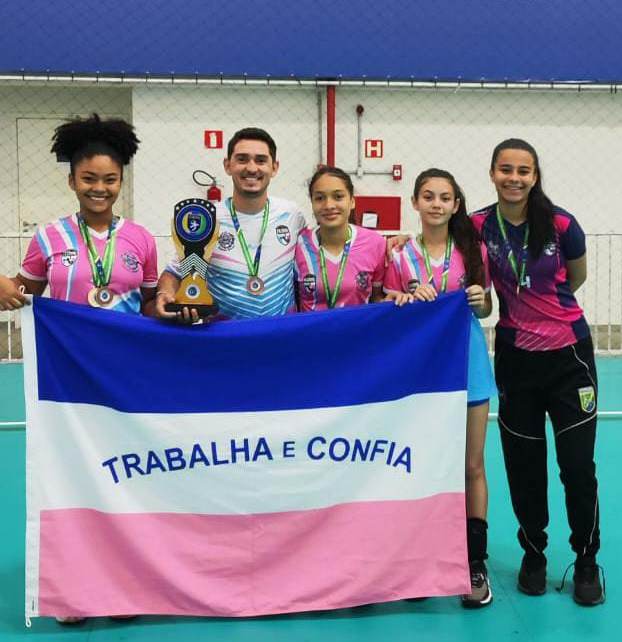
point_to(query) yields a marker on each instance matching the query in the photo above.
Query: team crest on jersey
(130, 261)
(226, 241)
(283, 234)
(550, 249)
(413, 284)
(587, 397)
(362, 280)
(308, 283)
(68, 257)
(194, 222)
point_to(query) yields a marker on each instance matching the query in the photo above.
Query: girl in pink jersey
(91, 257)
(544, 364)
(337, 264)
(448, 256)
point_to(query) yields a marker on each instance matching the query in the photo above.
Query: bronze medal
(104, 297)
(91, 298)
(100, 297)
(255, 286)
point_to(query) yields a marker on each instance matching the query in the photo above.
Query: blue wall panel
(472, 40)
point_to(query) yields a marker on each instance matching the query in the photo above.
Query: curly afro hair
(80, 138)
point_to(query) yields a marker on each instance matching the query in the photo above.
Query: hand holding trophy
(195, 232)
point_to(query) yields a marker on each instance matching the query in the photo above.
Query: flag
(242, 468)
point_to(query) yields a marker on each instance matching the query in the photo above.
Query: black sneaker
(587, 588)
(532, 575)
(481, 593)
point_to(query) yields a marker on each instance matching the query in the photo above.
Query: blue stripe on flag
(355, 355)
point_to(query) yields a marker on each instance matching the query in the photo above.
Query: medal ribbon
(428, 266)
(100, 268)
(518, 273)
(331, 297)
(252, 265)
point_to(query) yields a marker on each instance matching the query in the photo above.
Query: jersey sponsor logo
(413, 284)
(69, 257)
(226, 241)
(550, 249)
(283, 234)
(587, 397)
(130, 261)
(362, 280)
(309, 283)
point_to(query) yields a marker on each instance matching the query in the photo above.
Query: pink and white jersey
(407, 269)
(545, 315)
(57, 254)
(364, 269)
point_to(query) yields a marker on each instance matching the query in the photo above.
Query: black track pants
(563, 383)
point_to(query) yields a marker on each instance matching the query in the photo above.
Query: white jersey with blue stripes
(227, 272)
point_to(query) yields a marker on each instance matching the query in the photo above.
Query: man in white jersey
(251, 270)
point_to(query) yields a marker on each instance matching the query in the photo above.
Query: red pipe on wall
(330, 125)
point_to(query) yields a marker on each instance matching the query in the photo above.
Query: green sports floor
(512, 616)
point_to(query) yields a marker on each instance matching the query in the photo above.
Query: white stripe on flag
(418, 441)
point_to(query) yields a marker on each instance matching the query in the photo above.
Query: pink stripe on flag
(94, 563)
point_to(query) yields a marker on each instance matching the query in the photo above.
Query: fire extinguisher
(214, 193)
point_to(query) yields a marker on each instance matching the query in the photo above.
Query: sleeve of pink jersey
(150, 268)
(34, 265)
(393, 276)
(297, 260)
(478, 221)
(571, 236)
(380, 270)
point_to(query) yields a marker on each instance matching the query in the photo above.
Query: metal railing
(600, 297)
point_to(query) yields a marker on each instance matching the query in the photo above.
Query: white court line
(603, 414)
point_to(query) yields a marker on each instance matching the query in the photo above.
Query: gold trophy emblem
(195, 232)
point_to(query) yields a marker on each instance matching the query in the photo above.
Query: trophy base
(202, 309)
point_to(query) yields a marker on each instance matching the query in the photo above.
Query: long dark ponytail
(461, 228)
(539, 205)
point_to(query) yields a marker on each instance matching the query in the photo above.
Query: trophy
(195, 232)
